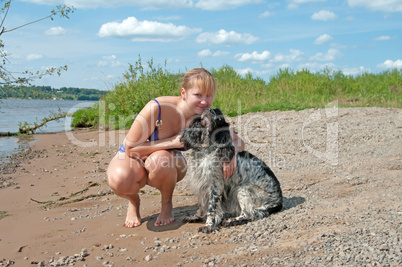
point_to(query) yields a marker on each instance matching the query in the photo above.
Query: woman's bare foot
(133, 218)
(166, 216)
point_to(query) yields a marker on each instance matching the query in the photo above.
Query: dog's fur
(251, 193)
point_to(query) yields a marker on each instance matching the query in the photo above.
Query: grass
(286, 90)
(3, 214)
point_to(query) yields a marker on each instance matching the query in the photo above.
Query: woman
(150, 154)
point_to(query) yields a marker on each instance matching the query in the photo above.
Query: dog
(252, 192)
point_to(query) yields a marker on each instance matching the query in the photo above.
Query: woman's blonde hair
(201, 78)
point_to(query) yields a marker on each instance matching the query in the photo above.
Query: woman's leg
(126, 176)
(165, 169)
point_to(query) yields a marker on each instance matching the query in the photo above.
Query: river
(15, 111)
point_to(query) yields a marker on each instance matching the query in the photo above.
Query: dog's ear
(192, 136)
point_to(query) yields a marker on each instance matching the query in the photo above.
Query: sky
(102, 37)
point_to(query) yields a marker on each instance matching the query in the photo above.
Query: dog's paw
(206, 229)
(193, 219)
(235, 221)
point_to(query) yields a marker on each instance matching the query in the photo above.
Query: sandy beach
(339, 168)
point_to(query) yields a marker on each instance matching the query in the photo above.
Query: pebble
(148, 258)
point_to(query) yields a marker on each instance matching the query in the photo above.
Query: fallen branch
(27, 128)
(8, 134)
(65, 200)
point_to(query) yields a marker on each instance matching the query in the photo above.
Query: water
(15, 111)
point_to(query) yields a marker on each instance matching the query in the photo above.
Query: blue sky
(259, 36)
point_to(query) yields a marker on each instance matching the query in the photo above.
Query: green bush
(135, 90)
(286, 90)
(88, 117)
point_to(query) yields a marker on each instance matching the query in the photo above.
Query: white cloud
(331, 55)
(55, 31)
(221, 53)
(208, 53)
(384, 5)
(250, 70)
(322, 39)
(226, 38)
(389, 64)
(324, 15)
(382, 38)
(109, 61)
(294, 56)
(115, 64)
(267, 58)
(341, 46)
(314, 66)
(224, 4)
(102, 63)
(145, 31)
(293, 4)
(34, 57)
(253, 56)
(284, 66)
(354, 71)
(205, 53)
(266, 14)
(111, 57)
(244, 71)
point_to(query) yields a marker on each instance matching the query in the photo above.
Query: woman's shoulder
(161, 102)
(168, 99)
(166, 102)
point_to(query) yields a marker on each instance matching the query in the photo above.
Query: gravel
(340, 171)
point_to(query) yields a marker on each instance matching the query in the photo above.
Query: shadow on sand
(179, 214)
(292, 202)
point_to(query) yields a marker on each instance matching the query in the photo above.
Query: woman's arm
(230, 167)
(237, 142)
(148, 147)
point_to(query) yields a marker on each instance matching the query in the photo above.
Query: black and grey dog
(252, 192)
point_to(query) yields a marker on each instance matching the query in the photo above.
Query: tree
(24, 77)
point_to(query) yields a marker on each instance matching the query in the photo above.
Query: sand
(340, 171)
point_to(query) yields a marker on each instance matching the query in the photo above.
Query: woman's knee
(123, 178)
(165, 168)
(117, 177)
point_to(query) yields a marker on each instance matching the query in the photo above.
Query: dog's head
(213, 119)
(210, 130)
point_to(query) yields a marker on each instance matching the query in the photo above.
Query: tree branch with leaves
(25, 77)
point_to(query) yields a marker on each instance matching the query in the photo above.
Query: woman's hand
(229, 167)
(177, 142)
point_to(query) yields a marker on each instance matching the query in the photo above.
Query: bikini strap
(158, 123)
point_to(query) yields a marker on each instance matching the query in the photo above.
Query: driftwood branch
(27, 128)
(67, 200)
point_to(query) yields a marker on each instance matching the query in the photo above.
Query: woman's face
(197, 100)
